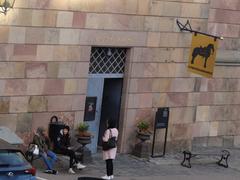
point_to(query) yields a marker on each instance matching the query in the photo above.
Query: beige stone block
(79, 115)
(171, 9)
(60, 53)
(140, 100)
(11, 121)
(23, 17)
(81, 69)
(12, 70)
(78, 102)
(237, 141)
(17, 35)
(4, 34)
(157, 8)
(2, 87)
(37, 104)
(35, 35)
(21, 52)
(201, 129)
(181, 131)
(59, 103)
(4, 104)
(161, 84)
(51, 36)
(49, 18)
(213, 129)
(143, 7)
(18, 104)
(69, 36)
(169, 39)
(15, 87)
(160, 100)
(37, 17)
(53, 87)
(75, 86)
(112, 38)
(36, 70)
(6, 52)
(182, 115)
(152, 23)
(124, 6)
(35, 86)
(24, 127)
(53, 69)
(153, 39)
(79, 53)
(182, 85)
(203, 113)
(94, 5)
(45, 53)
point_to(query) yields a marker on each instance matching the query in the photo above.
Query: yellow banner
(202, 55)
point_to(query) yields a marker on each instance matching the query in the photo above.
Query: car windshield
(11, 158)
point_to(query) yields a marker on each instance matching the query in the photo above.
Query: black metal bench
(223, 161)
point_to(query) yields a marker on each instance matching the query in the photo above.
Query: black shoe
(51, 171)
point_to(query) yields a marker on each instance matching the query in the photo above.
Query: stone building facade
(44, 66)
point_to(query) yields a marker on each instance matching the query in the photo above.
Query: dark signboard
(90, 108)
(162, 116)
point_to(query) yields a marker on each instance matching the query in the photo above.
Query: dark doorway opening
(111, 104)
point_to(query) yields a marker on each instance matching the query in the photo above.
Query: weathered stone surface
(228, 141)
(75, 86)
(12, 69)
(64, 19)
(183, 115)
(59, 103)
(18, 104)
(215, 142)
(24, 52)
(53, 69)
(35, 36)
(140, 100)
(53, 86)
(36, 70)
(4, 104)
(17, 35)
(15, 87)
(24, 127)
(4, 33)
(35, 86)
(9, 120)
(201, 129)
(37, 104)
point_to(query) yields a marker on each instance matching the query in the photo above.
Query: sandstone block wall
(45, 48)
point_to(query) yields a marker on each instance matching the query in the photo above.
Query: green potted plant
(84, 136)
(83, 130)
(143, 132)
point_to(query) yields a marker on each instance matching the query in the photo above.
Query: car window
(11, 158)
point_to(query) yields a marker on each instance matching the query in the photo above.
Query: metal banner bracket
(187, 27)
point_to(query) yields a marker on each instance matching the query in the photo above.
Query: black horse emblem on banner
(205, 52)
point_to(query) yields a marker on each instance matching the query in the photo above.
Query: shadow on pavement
(88, 178)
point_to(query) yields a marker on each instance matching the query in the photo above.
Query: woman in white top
(110, 155)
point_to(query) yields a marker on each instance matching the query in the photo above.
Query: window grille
(107, 60)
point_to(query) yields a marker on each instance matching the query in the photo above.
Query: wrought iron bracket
(187, 27)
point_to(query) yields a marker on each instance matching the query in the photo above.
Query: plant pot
(143, 136)
(84, 140)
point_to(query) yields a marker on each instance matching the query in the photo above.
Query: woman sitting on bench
(42, 141)
(64, 146)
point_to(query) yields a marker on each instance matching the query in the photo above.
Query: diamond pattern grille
(107, 60)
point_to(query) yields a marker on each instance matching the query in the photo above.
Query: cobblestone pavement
(128, 167)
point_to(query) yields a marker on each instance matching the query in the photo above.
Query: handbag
(111, 143)
(33, 149)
